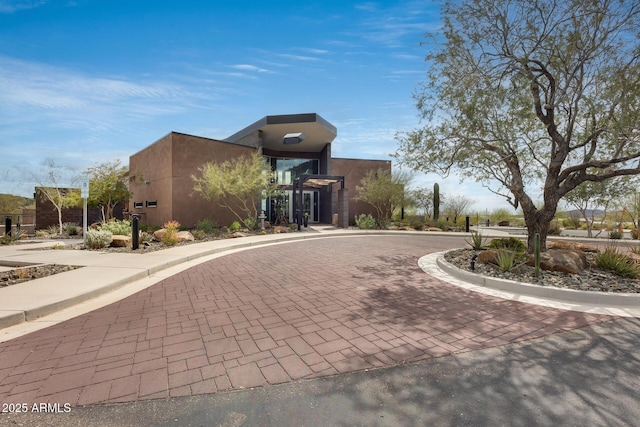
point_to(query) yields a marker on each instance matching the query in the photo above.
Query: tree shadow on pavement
(581, 377)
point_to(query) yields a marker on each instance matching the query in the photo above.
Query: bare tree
(456, 205)
(49, 181)
(423, 200)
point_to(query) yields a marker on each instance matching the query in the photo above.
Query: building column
(343, 208)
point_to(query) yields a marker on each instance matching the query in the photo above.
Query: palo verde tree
(49, 179)
(590, 197)
(108, 187)
(455, 206)
(423, 200)
(385, 192)
(236, 185)
(531, 97)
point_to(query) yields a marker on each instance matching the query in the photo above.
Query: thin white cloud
(392, 25)
(41, 86)
(298, 57)
(248, 67)
(408, 57)
(314, 50)
(12, 6)
(368, 6)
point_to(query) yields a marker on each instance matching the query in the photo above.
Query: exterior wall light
(293, 138)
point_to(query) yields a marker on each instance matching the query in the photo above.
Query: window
(288, 170)
(152, 203)
(138, 205)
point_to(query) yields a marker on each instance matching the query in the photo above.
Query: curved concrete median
(621, 304)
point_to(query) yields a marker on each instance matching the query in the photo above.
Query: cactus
(436, 201)
(536, 252)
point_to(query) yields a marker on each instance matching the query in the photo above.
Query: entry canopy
(316, 132)
(317, 181)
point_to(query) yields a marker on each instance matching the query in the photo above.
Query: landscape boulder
(159, 234)
(564, 261)
(573, 262)
(488, 256)
(185, 236)
(119, 241)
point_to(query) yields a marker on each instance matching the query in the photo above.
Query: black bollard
(7, 225)
(466, 224)
(135, 231)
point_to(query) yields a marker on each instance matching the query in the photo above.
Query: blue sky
(89, 81)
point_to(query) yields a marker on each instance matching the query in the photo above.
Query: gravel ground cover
(592, 279)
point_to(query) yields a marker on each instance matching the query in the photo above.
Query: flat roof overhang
(317, 132)
(318, 181)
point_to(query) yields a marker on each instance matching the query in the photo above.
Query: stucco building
(298, 149)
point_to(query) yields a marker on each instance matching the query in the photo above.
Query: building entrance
(310, 202)
(283, 207)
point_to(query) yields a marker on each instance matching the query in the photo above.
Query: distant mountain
(10, 204)
(590, 212)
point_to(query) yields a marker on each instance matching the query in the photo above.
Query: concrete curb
(611, 300)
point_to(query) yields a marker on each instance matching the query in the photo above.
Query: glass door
(310, 206)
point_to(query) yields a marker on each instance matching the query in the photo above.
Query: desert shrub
(70, 228)
(615, 235)
(634, 234)
(366, 222)
(611, 259)
(417, 225)
(15, 235)
(98, 239)
(146, 237)
(121, 228)
(554, 228)
(53, 230)
(198, 234)
(42, 234)
(510, 243)
(235, 226)
(442, 225)
(207, 226)
(148, 228)
(572, 222)
(251, 223)
(170, 237)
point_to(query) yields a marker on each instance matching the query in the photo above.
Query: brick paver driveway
(267, 316)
